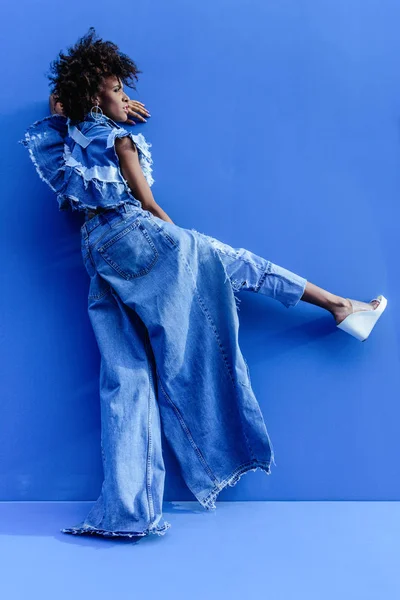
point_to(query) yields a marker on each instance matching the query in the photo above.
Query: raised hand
(134, 108)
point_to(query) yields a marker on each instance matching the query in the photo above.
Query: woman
(161, 302)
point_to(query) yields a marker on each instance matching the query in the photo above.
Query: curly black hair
(78, 76)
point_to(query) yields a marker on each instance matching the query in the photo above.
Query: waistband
(101, 216)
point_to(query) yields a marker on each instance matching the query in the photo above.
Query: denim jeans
(162, 306)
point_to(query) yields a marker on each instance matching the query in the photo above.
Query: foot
(350, 306)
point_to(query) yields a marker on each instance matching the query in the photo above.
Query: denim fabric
(79, 161)
(162, 307)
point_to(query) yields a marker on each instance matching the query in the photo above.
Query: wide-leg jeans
(159, 370)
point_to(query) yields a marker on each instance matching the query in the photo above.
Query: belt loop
(103, 215)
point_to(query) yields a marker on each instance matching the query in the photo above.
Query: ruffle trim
(59, 122)
(105, 194)
(88, 529)
(143, 146)
(209, 501)
(108, 193)
(45, 141)
(71, 203)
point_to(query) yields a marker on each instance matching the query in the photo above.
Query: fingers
(135, 115)
(135, 105)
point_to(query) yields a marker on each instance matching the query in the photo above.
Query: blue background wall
(275, 126)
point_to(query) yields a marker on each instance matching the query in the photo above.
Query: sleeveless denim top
(79, 162)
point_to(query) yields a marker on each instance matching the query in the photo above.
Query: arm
(132, 171)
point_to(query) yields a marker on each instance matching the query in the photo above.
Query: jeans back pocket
(131, 252)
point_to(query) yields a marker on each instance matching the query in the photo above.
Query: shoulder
(96, 141)
(89, 132)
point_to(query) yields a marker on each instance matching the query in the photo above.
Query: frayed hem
(78, 205)
(209, 501)
(88, 529)
(28, 144)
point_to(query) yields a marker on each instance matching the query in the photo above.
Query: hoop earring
(98, 112)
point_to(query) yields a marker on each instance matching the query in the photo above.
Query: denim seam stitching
(149, 449)
(160, 230)
(103, 251)
(86, 235)
(99, 296)
(188, 434)
(263, 277)
(224, 356)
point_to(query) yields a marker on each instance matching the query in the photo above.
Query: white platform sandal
(360, 324)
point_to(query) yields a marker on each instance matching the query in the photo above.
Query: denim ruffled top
(79, 162)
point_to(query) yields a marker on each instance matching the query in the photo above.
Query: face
(112, 99)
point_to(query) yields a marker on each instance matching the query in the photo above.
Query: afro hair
(78, 76)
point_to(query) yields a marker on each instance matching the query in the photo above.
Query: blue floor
(271, 550)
